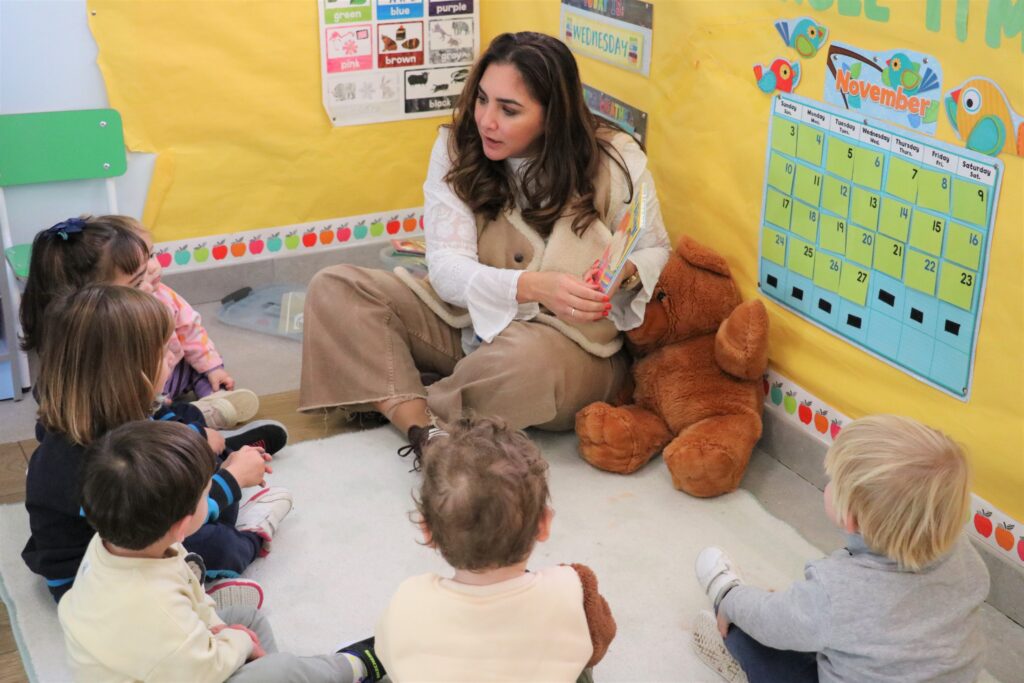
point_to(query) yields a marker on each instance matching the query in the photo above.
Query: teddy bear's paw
(709, 457)
(619, 439)
(741, 344)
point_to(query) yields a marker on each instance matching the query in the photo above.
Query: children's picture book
(409, 247)
(623, 241)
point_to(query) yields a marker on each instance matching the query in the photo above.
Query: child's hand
(216, 441)
(257, 648)
(248, 465)
(220, 379)
(723, 625)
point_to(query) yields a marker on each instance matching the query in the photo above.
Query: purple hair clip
(65, 228)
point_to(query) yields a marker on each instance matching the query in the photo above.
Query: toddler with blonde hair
(901, 602)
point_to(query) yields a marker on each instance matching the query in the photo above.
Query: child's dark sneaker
(270, 435)
(197, 565)
(418, 438)
(235, 592)
(363, 651)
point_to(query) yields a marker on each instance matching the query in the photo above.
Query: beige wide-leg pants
(367, 337)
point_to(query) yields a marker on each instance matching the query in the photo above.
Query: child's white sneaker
(262, 513)
(235, 592)
(225, 409)
(710, 648)
(715, 573)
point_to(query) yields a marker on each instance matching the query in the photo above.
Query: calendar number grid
(878, 235)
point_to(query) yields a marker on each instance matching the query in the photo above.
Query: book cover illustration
(623, 241)
(411, 247)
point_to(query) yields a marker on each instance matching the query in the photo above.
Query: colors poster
(390, 60)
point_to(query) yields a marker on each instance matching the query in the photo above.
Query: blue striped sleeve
(224, 492)
(212, 510)
(219, 480)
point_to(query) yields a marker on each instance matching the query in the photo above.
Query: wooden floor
(14, 460)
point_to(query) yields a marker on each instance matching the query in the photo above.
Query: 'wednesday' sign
(613, 31)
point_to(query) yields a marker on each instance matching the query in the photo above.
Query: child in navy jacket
(102, 364)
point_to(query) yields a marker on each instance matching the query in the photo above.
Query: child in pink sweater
(196, 364)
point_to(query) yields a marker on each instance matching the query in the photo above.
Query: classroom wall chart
(879, 235)
(390, 60)
(631, 119)
(616, 32)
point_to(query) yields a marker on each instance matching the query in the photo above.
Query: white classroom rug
(349, 542)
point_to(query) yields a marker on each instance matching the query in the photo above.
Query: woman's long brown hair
(100, 360)
(559, 180)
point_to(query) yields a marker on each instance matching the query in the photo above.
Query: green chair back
(51, 146)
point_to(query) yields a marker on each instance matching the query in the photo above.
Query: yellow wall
(227, 92)
(706, 139)
(244, 144)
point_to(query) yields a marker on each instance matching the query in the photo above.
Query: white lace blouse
(488, 293)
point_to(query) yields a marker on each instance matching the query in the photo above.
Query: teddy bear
(697, 394)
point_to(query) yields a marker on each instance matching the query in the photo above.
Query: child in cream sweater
(136, 611)
(484, 505)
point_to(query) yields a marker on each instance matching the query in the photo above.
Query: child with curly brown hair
(484, 505)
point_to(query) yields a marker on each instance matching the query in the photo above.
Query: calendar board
(878, 235)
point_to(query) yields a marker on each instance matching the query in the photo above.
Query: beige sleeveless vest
(508, 242)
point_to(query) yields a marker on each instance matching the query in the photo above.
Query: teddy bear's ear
(698, 255)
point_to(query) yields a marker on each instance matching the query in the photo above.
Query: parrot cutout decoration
(781, 75)
(901, 71)
(804, 35)
(981, 116)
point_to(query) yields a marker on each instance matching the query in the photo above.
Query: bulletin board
(391, 60)
(226, 79)
(879, 235)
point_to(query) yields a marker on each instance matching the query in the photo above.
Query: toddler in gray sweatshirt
(901, 602)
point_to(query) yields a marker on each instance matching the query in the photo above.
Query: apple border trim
(210, 251)
(988, 524)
